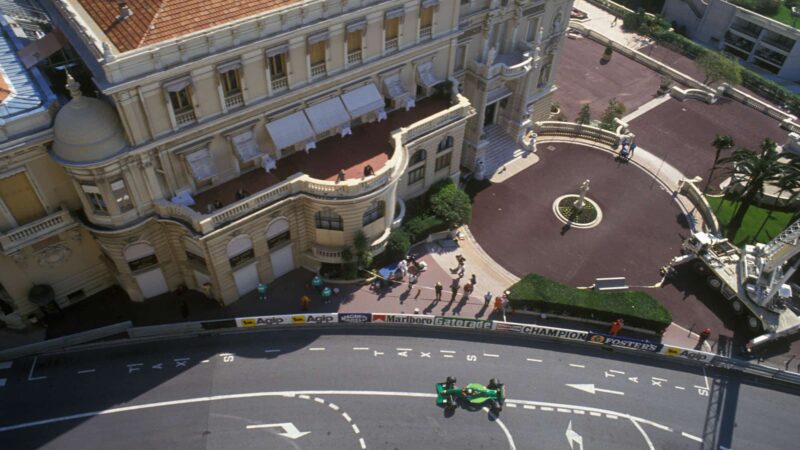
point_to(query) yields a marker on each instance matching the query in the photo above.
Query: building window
(374, 212)
(241, 258)
(277, 66)
(416, 175)
(279, 240)
(121, 195)
(443, 162)
(445, 144)
(195, 259)
(316, 57)
(461, 57)
(354, 47)
(95, 199)
(426, 23)
(201, 164)
(391, 29)
(533, 25)
(418, 157)
(328, 220)
(230, 82)
(181, 100)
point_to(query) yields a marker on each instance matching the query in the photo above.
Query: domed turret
(86, 129)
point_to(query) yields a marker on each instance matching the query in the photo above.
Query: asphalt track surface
(374, 389)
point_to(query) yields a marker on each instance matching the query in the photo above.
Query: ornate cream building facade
(257, 138)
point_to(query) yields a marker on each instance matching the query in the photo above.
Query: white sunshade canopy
(394, 86)
(426, 76)
(290, 130)
(327, 115)
(363, 100)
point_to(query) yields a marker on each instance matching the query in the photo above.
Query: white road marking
(363, 445)
(659, 379)
(491, 355)
(272, 350)
(319, 400)
(616, 371)
(205, 361)
(502, 427)
(692, 437)
(680, 388)
(400, 349)
(609, 375)
(580, 366)
(511, 405)
(612, 416)
(533, 360)
(446, 351)
(305, 394)
(546, 408)
(333, 406)
(6, 364)
(86, 371)
(646, 437)
(655, 383)
(347, 417)
(377, 353)
(2, 382)
(424, 354)
(529, 406)
(593, 390)
(134, 367)
(403, 354)
(355, 429)
(304, 397)
(579, 412)
(158, 366)
(447, 356)
(705, 377)
(33, 366)
(360, 348)
(634, 379)
(317, 349)
(564, 410)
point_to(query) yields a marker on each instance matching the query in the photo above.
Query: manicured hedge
(421, 226)
(636, 308)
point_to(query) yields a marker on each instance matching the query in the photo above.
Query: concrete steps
(502, 149)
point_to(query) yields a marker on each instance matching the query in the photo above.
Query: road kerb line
(361, 442)
(690, 436)
(319, 400)
(347, 417)
(355, 429)
(316, 349)
(529, 406)
(333, 406)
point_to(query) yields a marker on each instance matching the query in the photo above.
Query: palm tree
(755, 171)
(789, 181)
(721, 142)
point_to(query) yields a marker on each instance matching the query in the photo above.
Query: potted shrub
(607, 54)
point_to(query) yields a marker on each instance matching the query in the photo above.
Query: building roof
(158, 20)
(20, 95)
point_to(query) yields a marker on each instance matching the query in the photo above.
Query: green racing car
(448, 395)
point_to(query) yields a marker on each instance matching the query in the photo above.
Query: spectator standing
(438, 289)
(616, 326)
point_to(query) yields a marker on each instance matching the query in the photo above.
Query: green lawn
(753, 221)
(784, 15)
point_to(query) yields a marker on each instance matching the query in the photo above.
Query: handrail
(19, 236)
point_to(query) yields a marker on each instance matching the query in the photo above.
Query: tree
(452, 205)
(398, 244)
(788, 182)
(362, 250)
(585, 115)
(614, 110)
(718, 67)
(721, 142)
(755, 171)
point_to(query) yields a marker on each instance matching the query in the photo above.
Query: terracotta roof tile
(159, 20)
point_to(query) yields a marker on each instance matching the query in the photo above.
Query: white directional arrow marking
(573, 437)
(592, 390)
(289, 430)
(634, 379)
(403, 354)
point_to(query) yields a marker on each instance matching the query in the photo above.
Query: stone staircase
(502, 149)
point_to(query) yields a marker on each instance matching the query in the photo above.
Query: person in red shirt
(616, 326)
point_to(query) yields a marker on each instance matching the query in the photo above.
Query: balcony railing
(234, 100)
(26, 234)
(425, 33)
(392, 44)
(280, 84)
(574, 130)
(354, 57)
(319, 70)
(305, 184)
(780, 43)
(185, 117)
(748, 29)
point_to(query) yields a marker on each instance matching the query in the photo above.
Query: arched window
(240, 250)
(418, 157)
(445, 144)
(328, 220)
(278, 233)
(139, 256)
(375, 211)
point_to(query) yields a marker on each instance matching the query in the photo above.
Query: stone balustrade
(23, 235)
(574, 130)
